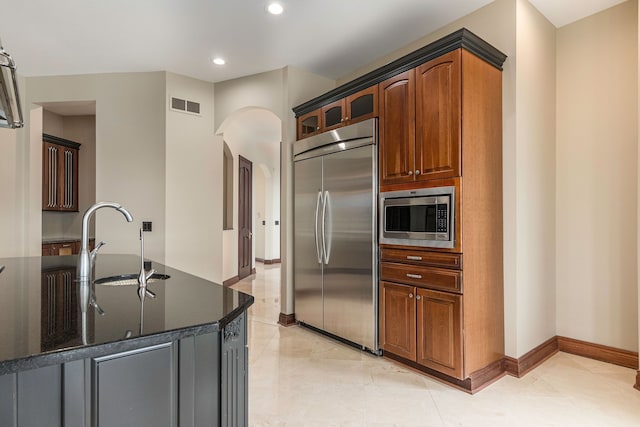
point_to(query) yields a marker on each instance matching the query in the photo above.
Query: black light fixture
(10, 109)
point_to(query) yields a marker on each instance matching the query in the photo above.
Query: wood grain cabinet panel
(362, 105)
(439, 329)
(421, 257)
(309, 124)
(397, 129)
(398, 319)
(59, 174)
(424, 277)
(438, 94)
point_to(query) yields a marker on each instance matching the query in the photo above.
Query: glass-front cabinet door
(333, 115)
(362, 105)
(309, 124)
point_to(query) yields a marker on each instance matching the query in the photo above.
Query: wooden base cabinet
(423, 326)
(398, 319)
(439, 331)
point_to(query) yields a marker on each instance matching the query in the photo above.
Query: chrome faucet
(86, 259)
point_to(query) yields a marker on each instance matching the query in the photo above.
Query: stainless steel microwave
(424, 217)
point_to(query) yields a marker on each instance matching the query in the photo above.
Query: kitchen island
(179, 359)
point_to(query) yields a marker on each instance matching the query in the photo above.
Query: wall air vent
(184, 106)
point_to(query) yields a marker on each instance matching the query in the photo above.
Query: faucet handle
(96, 306)
(98, 246)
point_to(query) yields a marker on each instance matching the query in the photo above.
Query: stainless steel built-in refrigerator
(335, 246)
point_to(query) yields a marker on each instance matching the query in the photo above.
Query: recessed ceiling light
(275, 8)
(219, 61)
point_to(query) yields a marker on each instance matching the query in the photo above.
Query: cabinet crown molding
(463, 38)
(60, 141)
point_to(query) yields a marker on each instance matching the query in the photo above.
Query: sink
(129, 279)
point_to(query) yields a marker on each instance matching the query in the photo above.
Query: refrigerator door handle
(325, 251)
(315, 228)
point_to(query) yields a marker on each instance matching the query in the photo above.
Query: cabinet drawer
(418, 257)
(424, 277)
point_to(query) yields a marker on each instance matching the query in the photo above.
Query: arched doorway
(254, 134)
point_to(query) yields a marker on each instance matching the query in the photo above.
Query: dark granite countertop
(41, 321)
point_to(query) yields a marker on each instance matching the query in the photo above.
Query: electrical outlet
(146, 226)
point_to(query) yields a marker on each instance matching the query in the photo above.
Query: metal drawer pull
(410, 296)
(418, 297)
(414, 258)
(414, 276)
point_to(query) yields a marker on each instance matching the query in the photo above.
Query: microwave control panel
(442, 222)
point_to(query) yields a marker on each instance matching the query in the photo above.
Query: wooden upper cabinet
(439, 331)
(397, 128)
(59, 174)
(333, 115)
(354, 108)
(362, 105)
(438, 95)
(309, 124)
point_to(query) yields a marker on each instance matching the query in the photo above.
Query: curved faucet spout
(84, 263)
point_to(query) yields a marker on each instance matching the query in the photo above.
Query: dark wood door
(245, 217)
(398, 320)
(397, 129)
(438, 91)
(440, 331)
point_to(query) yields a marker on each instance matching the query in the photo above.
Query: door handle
(315, 227)
(249, 234)
(326, 252)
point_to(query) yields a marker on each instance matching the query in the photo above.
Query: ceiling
(328, 37)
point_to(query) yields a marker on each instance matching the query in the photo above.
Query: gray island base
(189, 369)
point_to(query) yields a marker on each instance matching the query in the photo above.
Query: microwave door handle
(325, 251)
(315, 227)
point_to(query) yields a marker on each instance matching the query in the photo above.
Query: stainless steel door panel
(307, 264)
(349, 277)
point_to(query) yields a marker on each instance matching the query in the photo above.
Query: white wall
(535, 178)
(193, 182)
(11, 223)
(130, 153)
(597, 182)
(259, 208)
(264, 90)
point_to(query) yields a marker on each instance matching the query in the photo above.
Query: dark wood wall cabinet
(59, 174)
(440, 124)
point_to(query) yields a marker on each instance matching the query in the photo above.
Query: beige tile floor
(300, 378)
